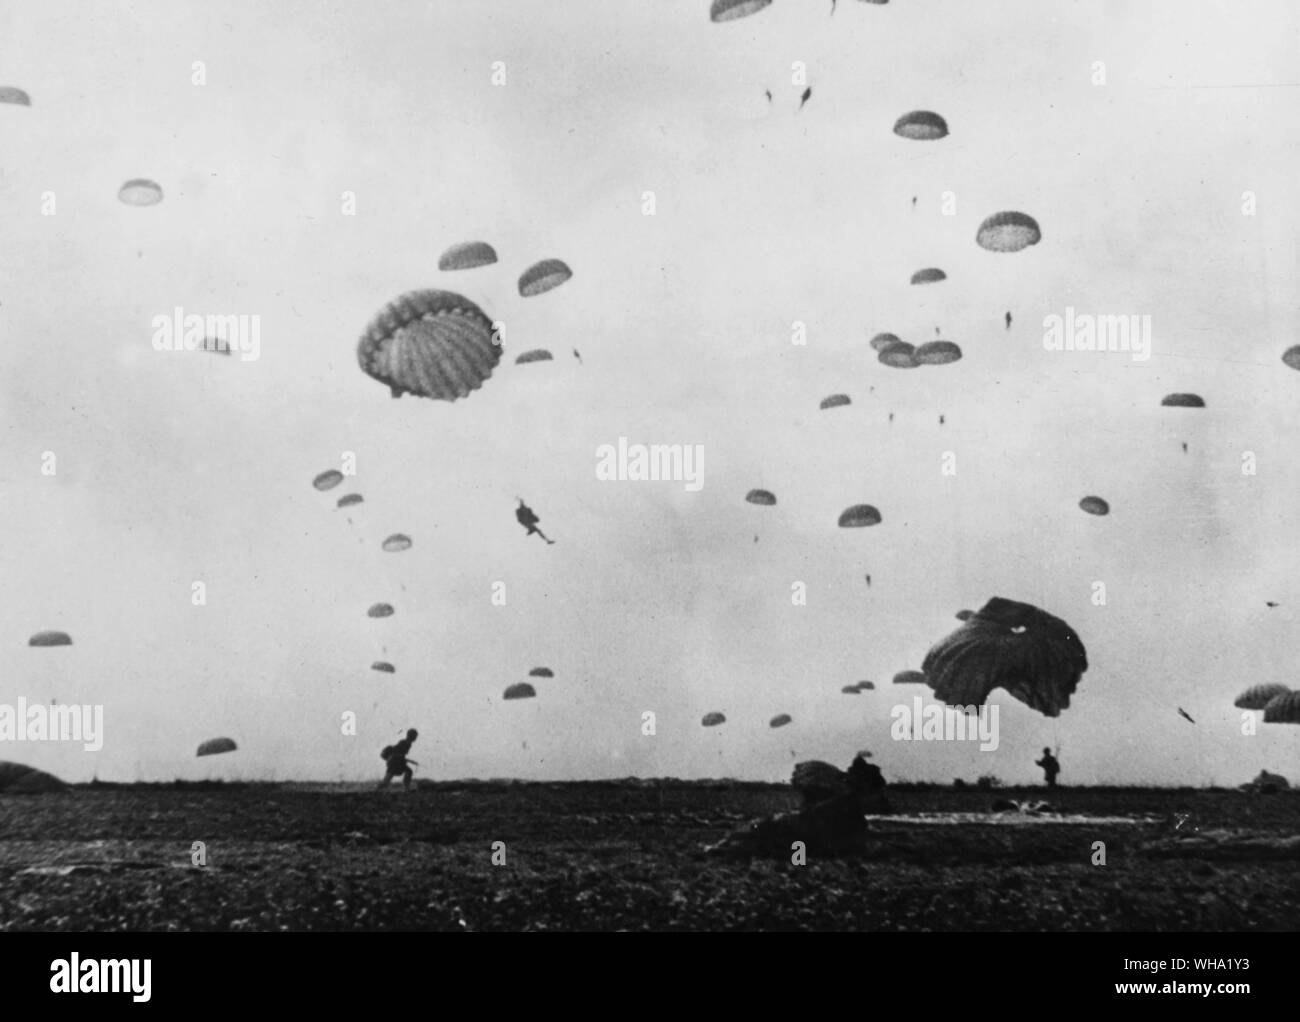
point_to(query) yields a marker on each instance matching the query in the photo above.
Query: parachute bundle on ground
(899, 355)
(380, 610)
(1033, 655)
(50, 639)
(713, 719)
(328, 480)
(929, 275)
(937, 353)
(541, 672)
(436, 344)
(1283, 709)
(542, 277)
(1008, 232)
(349, 499)
(20, 779)
(140, 192)
(520, 690)
(910, 678)
(1094, 506)
(761, 497)
(14, 95)
(467, 256)
(396, 543)
(1182, 401)
(536, 355)
(859, 516)
(213, 746)
(780, 720)
(835, 401)
(1292, 356)
(730, 10)
(882, 341)
(1258, 696)
(383, 667)
(923, 125)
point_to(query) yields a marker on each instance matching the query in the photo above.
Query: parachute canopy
(380, 610)
(882, 341)
(328, 480)
(930, 275)
(1257, 696)
(520, 690)
(763, 497)
(216, 345)
(965, 615)
(384, 666)
(396, 543)
(1033, 655)
(1095, 506)
(348, 499)
(1283, 709)
(866, 686)
(713, 719)
(50, 639)
(20, 779)
(536, 355)
(541, 672)
(850, 690)
(909, 678)
(900, 355)
(780, 720)
(14, 95)
(1182, 401)
(859, 516)
(923, 125)
(140, 192)
(937, 353)
(467, 256)
(835, 401)
(213, 746)
(1292, 356)
(542, 277)
(1008, 232)
(436, 344)
(730, 10)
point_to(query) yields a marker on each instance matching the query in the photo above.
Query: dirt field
(614, 856)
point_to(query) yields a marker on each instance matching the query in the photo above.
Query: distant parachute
(213, 746)
(866, 686)
(1008, 232)
(1292, 356)
(50, 639)
(140, 192)
(1283, 709)
(1185, 715)
(910, 678)
(965, 615)
(1033, 655)
(900, 355)
(541, 672)
(763, 497)
(1182, 401)
(859, 516)
(436, 344)
(520, 690)
(1257, 696)
(467, 256)
(923, 125)
(937, 353)
(713, 719)
(1095, 506)
(396, 543)
(730, 10)
(536, 355)
(850, 690)
(384, 666)
(542, 277)
(348, 499)
(216, 345)
(381, 610)
(882, 341)
(780, 720)
(835, 401)
(16, 96)
(930, 275)
(328, 480)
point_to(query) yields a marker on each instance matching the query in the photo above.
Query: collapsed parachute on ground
(536, 355)
(383, 666)
(910, 678)
(348, 499)
(937, 353)
(396, 543)
(763, 497)
(50, 639)
(1292, 356)
(14, 95)
(541, 672)
(923, 125)
(835, 401)
(542, 277)
(1257, 696)
(140, 192)
(520, 690)
(1008, 232)
(1283, 709)
(213, 746)
(899, 355)
(965, 615)
(859, 516)
(328, 480)
(1033, 655)
(1182, 401)
(882, 341)
(780, 720)
(436, 344)
(1094, 506)
(20, 779)
(930, 275)
(730, 10)
(380, 610)
(467, 256)
(713, 719)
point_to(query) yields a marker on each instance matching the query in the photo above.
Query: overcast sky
(181, 467)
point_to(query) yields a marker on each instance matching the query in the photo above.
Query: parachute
(542, 277)
(730, 10)
(436, 344)
(1257, 696)
(1095, 506)
(900, 355)
(20, 779)
(850, 690)
(50, 639)
(328, 480)
(923, 125)
(380, 610)
(937, 353)
(910, 678)
(859, 516)
(866, 686)
(396, 543)
(762, 497)
(1033, 655)
(386, 668)
(213, 746)
(930, 275)
(520, 690)
(835, 401)
(965, 615)
(348, 499)
(14, 95)
(216, 345)
(1182, 401)
(1008, 232)
(1292, 356)
(713, 719)
(882, 341)
(780, 720)
(541, 672)
(140, 192)
(1283, 709)
(536, 355)
(467, 256)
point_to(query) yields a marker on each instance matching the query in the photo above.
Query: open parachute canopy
(909, 678)
(140, 192)
(859, 516)
(1182, 401)
(937, 353)
(380, 610)
(713, 719)
(467, 255)
(1258, 696)
(14, 95)
(929, 275)
(780, 720)
(396, 543)
(216, 345)
(1283, 709)
(213, 746)
(50, 639)
(1008, 232)
(1292, 356)
(850, 690)
(922, 125)
(899, 355)
(349, 499)
(763, 497)
(882, 341)
(542, 277)
(1033, 655)
(1094, 506)
(866, 686)
(730, 10)
(536, 355)
(835, 401)
(520, 690)
(383, 666)
(328, 480)
(436, 344)
(541, 672)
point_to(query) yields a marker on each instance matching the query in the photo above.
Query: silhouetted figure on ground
(1051, 767)
(529, 520)
(396, 758)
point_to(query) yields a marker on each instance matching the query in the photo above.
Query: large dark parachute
(1033, 655)
(542, 277)
(1008, 232)
(780, 720)
(1258, 696)
(730, 10)
(213, 746)
(850, 690)
(467, 256)
(937, 353)
(763, 497)
(520, 690)
(50, 639)
(1292, 356)
(1182, 401)
(923, 125)
(1283, 709)
(859, 516)
(436, 344)
(383, 666)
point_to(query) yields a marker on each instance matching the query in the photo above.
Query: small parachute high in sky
(140, 192)
(467, 255)
(14, 95)
(910, 678)
(1008, 232)
(761, 497)
(214, 746)
(731, 10)
(850, 690)
(1094, 506)
(541, 672)
(328, 480)
(899, 355)
(929, 275)
(780, 720)
(1185, 715)
(349, 499)
(835, 401)
(859, 516)
(383, 667)
(1258, 696)
(396, 543)
(713, 719)
(536, 355)
(216, 345)
(542, 277)
(1182, 401)
(519, 690)
(50, 639)
(1036, 657)
(866, 686)
(965, 615)
(1283, 709)
(937, 353)
(882, 341)
(922, 125)
(436, 344)
(1291, 356)
(381, 610)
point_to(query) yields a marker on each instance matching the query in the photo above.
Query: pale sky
(180, 467)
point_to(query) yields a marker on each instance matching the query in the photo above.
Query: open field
(629, 855)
